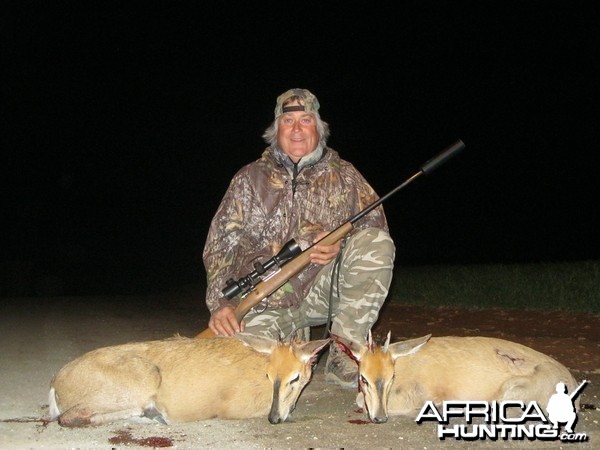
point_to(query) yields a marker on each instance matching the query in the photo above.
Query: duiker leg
(537, 386)
(104, 386)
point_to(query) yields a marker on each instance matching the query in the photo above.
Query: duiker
(182, 379)
(397, 379)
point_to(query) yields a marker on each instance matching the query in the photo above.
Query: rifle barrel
(426, 169)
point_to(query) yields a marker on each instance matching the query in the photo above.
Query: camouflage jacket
(265, 206)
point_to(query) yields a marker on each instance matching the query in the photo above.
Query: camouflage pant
(365, 274)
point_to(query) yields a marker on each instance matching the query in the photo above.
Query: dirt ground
(41, 335)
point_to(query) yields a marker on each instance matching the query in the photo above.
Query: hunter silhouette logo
(561, 408)
(507, 419)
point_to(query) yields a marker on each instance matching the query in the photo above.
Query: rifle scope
(232, 287)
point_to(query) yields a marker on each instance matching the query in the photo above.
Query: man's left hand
(324, 254)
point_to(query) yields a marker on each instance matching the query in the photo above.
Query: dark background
(123, 124)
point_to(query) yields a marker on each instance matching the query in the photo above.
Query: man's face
(297, 135)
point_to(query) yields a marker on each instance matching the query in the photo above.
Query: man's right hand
(224, 323)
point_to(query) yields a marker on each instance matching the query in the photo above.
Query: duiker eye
(295, 379)
(363, 380)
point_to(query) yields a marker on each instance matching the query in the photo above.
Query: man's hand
(324, 254)
(224, 323)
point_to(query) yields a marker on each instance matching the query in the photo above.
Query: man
(301, 189)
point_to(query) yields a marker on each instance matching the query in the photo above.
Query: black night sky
(123, 124)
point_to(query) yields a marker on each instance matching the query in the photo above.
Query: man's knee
(372, 245)
(367, 270)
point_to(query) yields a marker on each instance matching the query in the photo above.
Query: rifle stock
(266, 287)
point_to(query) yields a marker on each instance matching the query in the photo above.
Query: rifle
(578, 389)
(291, 259)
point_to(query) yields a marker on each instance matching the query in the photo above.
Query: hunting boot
(341, 369)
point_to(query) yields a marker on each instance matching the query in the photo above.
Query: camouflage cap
(311, 104)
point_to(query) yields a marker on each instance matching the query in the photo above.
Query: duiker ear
(261, 344)
(353, 349)
(405, 348)
(307, 351)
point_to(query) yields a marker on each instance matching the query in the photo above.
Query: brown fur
(397, 379)
(182, 380)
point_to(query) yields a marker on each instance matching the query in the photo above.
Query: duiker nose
(275, 419)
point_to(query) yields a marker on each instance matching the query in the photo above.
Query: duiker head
(376, 370)
(289, 368)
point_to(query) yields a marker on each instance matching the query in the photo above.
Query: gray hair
(270, 134)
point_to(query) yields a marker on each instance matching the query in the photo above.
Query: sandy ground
(41, 335)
